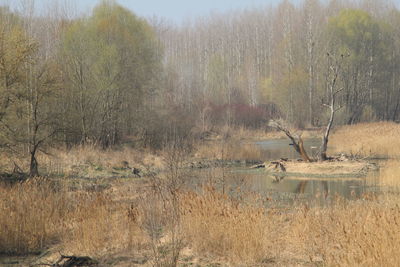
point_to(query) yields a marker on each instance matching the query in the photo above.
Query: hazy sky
(174, 10)
(178, 10)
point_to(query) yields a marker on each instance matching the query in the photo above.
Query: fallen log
(258, 166)
(72, 261)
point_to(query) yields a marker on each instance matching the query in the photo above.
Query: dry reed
(379, 139)
(235, 231)
(37, 214)
(229, 150)
(390, 175)
(70, 162)
(31, 213)
(362, 233)
(218, 226)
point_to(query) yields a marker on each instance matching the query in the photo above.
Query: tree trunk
(302, 151)
(334, 70)
(297, 144)
(325, 138)
(33, 170)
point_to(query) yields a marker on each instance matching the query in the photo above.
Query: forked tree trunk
(33, 170)
(297, 142)
(334, 70)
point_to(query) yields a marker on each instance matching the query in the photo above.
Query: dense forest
(111, 76)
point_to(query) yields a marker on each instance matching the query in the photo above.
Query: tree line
(111, 76)
(278, 57)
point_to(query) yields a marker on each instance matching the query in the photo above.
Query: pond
(274, 149)
(290, 188)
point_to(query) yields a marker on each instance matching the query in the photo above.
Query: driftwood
(279, 170)
(258, 166)
(297, 141)
(279, 166)
(72, 261)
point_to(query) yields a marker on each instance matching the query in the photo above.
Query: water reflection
(279, 148)
(311, 187)
(286, 188)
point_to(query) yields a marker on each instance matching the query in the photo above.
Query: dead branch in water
(297, 141)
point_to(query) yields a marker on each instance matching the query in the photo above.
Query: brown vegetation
(390, 176)
(218, 226)
(228, 150)
(41, 213)
(327, 168)
(30, 216)
(165, 224)
(374, 140)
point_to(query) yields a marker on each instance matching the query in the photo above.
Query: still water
(290, 188)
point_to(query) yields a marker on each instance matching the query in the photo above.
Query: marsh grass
(165, 218)
(361, 233)
(91, 160)
(230, 149)
(364, 232)
(218, 226)
(390, 176)
(31, 213)
(374, 140)
(40, 213)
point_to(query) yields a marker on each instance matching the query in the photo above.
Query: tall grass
(229, 150)
(70, 162)
(390, 175)
(37, 214)
(379, 139)
(31, 214)
(357, 233)
(165, 217)
(362, 233)
(219, 226)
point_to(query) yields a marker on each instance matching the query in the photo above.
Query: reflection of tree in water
(278, 177)
(301, 188)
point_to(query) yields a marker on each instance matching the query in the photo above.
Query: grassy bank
(375, 140)
(164, 227)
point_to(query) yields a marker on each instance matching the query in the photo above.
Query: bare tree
(297, 141)
(334, 69)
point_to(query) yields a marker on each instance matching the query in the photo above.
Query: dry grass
(88, 160)
(390, 175)
(243, 133)
(216, 225)
(37, 214)
(246, 133)
(366, 232)
(328, 168)
(30, 216)
(234, 231)
(363, 233)
(70, 162)
(99, 226)
(229, 150)
(380, 139)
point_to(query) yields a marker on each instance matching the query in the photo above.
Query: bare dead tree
(296, 139)
(334, 68)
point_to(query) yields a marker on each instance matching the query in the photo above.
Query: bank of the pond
(325, 169)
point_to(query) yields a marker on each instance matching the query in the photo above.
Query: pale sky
(178, 10)
(174, 10)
